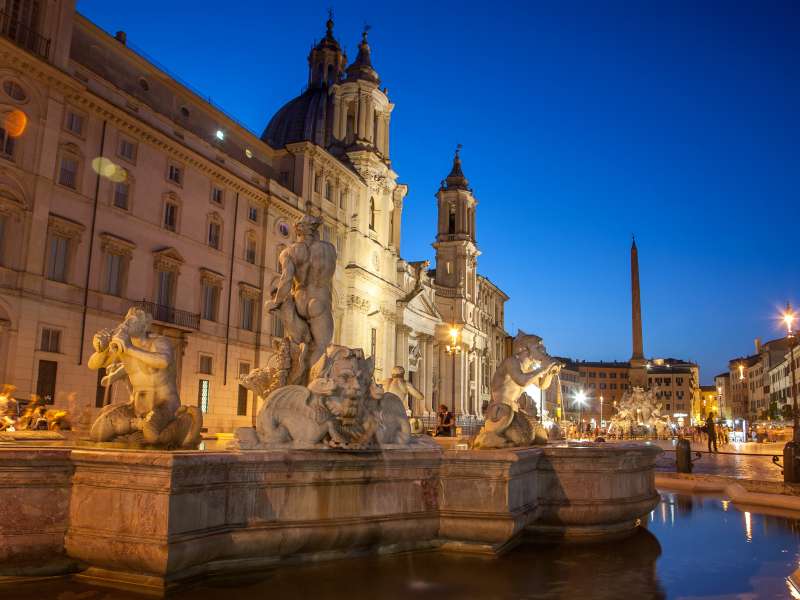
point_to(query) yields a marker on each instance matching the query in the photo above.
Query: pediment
(420, 304)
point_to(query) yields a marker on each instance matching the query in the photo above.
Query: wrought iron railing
(168, 314)
(24, 36)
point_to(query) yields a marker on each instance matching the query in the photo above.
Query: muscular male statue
(302, 297)
(506, 425)
(148, 362)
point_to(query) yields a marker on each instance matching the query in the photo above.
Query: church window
(351, 125)
(343, 199)
(451, 221)
(449, 267)
(373, 343)
(6, 144)
(318, 183)
(372, 214)
(328, 191)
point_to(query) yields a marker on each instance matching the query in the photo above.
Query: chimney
(121, 37)
(758, 345)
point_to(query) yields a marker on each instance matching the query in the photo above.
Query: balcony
(23, 36)
(172, 316)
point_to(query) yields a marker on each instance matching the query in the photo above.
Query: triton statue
(506, 425)
(153, 415)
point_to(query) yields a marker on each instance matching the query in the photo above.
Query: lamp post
(580, 400)
(601, 411)
(453, 349)
(791, 451)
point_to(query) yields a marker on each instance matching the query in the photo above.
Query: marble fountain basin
(150, 520)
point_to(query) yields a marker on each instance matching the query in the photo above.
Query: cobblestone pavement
(757, 467)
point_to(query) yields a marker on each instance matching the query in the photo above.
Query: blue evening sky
(582, 122)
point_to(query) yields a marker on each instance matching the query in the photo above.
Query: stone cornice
(248, 290)
(168, 259)
(211, 277)
(65, 227)
(116, 245)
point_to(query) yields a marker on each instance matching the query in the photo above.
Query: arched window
(451, 220)
(372, 214)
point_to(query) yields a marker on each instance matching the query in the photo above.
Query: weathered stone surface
(34, 505)
(593, 491)
(150, 518)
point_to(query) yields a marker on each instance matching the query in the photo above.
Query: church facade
(121, 186)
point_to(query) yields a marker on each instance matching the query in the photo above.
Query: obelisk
(638, 372)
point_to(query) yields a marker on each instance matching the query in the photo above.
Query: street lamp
(454, 348)
(580, 400)
(601, 411)
(791, 451)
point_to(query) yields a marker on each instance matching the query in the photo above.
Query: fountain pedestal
(151, 519)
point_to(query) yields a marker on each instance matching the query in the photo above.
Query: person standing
(711, 431)
(445, 425)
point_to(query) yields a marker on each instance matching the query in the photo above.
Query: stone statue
(37, 417)
(401, 388)
(8, 408)
(638, 412)
(302, 298)
(264, 380)
(506, 425)
(341, 407)
(153, 415)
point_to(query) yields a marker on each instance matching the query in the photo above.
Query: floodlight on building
(220, 135)
(248, 153)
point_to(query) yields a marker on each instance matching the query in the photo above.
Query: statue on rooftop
(153, 415)
(506, 424)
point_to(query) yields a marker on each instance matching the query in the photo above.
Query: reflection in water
(693, 547)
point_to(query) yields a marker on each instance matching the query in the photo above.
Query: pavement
(738, 460)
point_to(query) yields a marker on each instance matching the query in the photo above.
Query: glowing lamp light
(220, 135)
(788, 318)
(15, 123)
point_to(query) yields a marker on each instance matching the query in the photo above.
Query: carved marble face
(345, 374)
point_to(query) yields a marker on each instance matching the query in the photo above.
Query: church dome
(302, 119)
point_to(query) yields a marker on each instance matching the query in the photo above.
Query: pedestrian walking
(711, 432)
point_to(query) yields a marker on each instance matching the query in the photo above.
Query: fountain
(330, 470)
(639, 414)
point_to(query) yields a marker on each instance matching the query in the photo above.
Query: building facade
(121, 186)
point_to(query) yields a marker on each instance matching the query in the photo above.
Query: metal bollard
(683, 456)
(791, 466)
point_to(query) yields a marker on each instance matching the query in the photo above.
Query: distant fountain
(639, 413)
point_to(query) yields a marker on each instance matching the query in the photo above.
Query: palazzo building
(120, 186)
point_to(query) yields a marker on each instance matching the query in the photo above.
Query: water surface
(695, 547)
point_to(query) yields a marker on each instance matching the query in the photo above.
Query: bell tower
(326, 61)
(456, 249)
